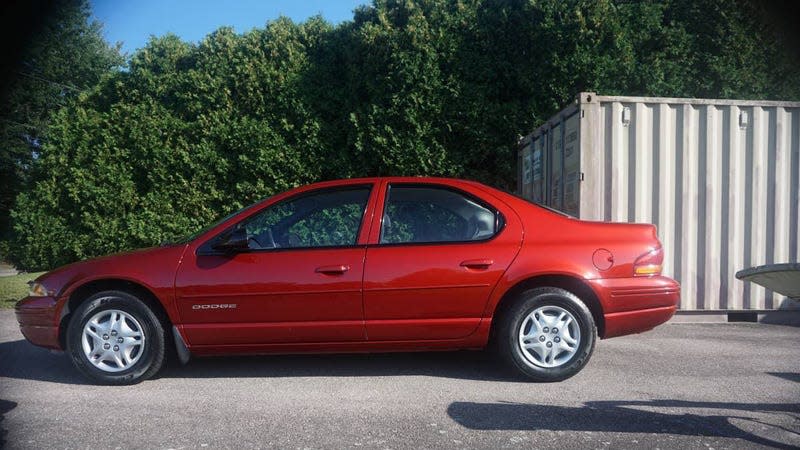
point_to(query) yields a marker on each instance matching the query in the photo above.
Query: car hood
(145, 266)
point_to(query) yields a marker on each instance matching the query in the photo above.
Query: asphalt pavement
(681, 386)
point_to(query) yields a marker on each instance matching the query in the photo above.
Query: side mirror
(232, 242)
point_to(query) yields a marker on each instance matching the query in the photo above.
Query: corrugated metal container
(720, 179)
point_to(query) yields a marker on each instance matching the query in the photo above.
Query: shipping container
(719, 178)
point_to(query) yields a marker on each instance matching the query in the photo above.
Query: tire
(115, 338)
(529, 322)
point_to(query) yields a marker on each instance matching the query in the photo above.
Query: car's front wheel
(114, 338)
(548, 334)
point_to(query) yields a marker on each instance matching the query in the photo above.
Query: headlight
(37, 289)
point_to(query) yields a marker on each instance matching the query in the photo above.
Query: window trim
(499, 218)
(205, 249)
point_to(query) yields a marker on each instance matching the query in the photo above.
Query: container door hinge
(582, 177)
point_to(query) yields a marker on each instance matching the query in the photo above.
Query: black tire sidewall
(527, 303)
(152, 352)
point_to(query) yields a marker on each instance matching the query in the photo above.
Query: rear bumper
(629, 322)
(634, 305)
(38, 321)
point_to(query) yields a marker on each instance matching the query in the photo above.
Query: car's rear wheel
(548, 334)
(114, 338)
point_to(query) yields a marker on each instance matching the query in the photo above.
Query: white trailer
(720, 179)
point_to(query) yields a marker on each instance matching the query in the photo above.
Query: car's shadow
(631, 417)
(460, 365)
(5, 406)
(20, 359)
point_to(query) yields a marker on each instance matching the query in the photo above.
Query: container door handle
(477, 263)
(333, 270)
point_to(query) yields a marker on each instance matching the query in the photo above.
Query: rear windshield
(513, 194)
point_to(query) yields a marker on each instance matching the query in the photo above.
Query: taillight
(649, 263)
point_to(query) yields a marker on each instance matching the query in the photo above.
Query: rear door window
(422, 214)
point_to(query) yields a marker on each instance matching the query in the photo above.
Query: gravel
(680, 386)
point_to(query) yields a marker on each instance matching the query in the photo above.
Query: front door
(298, 281)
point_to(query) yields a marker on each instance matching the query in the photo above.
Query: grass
(14, 288)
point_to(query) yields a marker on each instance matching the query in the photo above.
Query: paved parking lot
(679, 386)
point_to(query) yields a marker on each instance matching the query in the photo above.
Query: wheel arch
(569, 283)
(86, 290)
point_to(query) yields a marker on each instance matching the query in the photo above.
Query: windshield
(549, 208)
(196, 234)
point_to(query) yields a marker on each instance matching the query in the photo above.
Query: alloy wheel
(112, 340)
(549, 336)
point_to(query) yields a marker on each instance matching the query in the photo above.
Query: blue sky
(133, 21)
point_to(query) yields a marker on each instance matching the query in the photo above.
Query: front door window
(321, 219)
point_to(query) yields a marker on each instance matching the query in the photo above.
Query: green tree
(408, 87)
(66, 56)
(188, 133)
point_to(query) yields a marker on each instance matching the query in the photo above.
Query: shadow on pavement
(466, 365)
(20, 359)
(624, 417)
(788, 317)
(5, 406)
(791, 376)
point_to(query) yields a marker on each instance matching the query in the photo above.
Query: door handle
(477, 263)
(333, 270)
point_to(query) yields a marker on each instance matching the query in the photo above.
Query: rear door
(435, 254)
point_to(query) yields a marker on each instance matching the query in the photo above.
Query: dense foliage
(67, 55)
(190, 132)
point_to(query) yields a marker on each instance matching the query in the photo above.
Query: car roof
(417, 179)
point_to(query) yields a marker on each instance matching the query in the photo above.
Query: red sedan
(374, 264)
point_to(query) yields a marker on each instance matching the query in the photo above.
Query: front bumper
(38, 321)
(634, 305)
